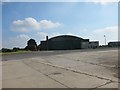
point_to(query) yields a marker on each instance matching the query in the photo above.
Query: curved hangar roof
(66, 37)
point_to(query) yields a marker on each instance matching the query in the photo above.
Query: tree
(15, 49)
(6, 50)
(31, 45)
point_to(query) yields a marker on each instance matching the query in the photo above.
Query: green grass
(17, 52)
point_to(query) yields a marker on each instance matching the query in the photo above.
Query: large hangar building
(66, 42)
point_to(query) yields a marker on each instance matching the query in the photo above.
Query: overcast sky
(90, 20)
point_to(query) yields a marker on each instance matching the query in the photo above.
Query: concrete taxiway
(93, 69)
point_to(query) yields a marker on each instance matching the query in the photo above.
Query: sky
(22, 21)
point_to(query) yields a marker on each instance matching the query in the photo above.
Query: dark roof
(115, 42)
(65, 37)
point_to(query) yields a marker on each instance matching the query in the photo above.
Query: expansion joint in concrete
(101, 85)
(47, 75)
(69, 69)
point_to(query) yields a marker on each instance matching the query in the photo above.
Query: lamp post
(47, 42)
(105, 39)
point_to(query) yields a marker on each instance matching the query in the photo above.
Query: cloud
(113, 29)
(110, 32)
(42, 35)
(18, 41)
(29, 24)
(103, 2)
(0, 44)
(95, 1)
(0, 3)
(57, 34)
(49, 24)
(5, 0)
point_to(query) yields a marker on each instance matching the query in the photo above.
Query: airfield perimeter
(92, 68)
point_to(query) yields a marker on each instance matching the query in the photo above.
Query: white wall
(93, 44)
(84, 45)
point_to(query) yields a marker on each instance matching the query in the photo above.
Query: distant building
(66, 42)
(94, 44)
(114, 44)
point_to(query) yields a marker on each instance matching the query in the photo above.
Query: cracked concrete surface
(87, 69)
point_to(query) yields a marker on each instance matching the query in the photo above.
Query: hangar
(114, 44)
(65, 42)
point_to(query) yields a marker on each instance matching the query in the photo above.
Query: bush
(16, 49)
(6, 50)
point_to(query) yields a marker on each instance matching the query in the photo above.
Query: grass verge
(17, 52)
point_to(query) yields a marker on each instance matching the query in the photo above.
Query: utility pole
(105, 39)
(47, 42)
